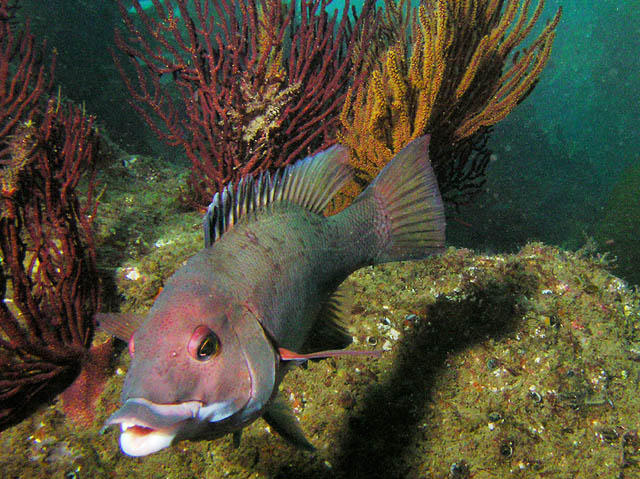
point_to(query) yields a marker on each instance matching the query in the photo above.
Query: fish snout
(160, 379)
(147, 427)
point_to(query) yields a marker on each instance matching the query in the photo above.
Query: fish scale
(307, 252)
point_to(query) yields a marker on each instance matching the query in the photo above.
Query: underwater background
(515, 354)
(570, 147)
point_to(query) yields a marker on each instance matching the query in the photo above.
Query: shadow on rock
(380, 437)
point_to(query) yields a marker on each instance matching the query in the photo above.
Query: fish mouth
(147, 427)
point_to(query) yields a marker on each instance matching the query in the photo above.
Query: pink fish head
(201, 367)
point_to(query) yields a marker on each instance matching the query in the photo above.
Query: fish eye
(204, 344)
(208, 347)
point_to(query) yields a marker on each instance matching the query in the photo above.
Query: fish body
(210, 353)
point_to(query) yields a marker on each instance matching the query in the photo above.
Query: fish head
(201, 367)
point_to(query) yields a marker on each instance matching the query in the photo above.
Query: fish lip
(144, 413)
(147, 427)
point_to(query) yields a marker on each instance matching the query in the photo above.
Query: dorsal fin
(309, 183)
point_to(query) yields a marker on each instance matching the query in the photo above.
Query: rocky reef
(512, 365)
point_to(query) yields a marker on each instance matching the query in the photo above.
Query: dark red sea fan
(48, 277)
(242, 86)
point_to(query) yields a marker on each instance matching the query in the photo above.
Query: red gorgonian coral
(251, 85)
(48, 275)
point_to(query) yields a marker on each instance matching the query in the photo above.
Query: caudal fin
(408, 207)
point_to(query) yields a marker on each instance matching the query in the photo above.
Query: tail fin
(408, 207)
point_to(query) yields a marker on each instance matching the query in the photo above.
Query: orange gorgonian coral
(454, 76)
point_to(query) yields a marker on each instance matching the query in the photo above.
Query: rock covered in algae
(523, 366)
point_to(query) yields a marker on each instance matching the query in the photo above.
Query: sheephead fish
(264, 292)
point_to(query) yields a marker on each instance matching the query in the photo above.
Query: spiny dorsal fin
(310, 183)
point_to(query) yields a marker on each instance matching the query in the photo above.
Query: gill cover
(261, 360)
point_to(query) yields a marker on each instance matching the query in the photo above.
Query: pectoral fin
(281, 418)
(330, 330)
(120, 325)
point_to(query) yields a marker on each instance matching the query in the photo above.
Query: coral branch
(254, 85)
(48, 276)
(449, 79)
